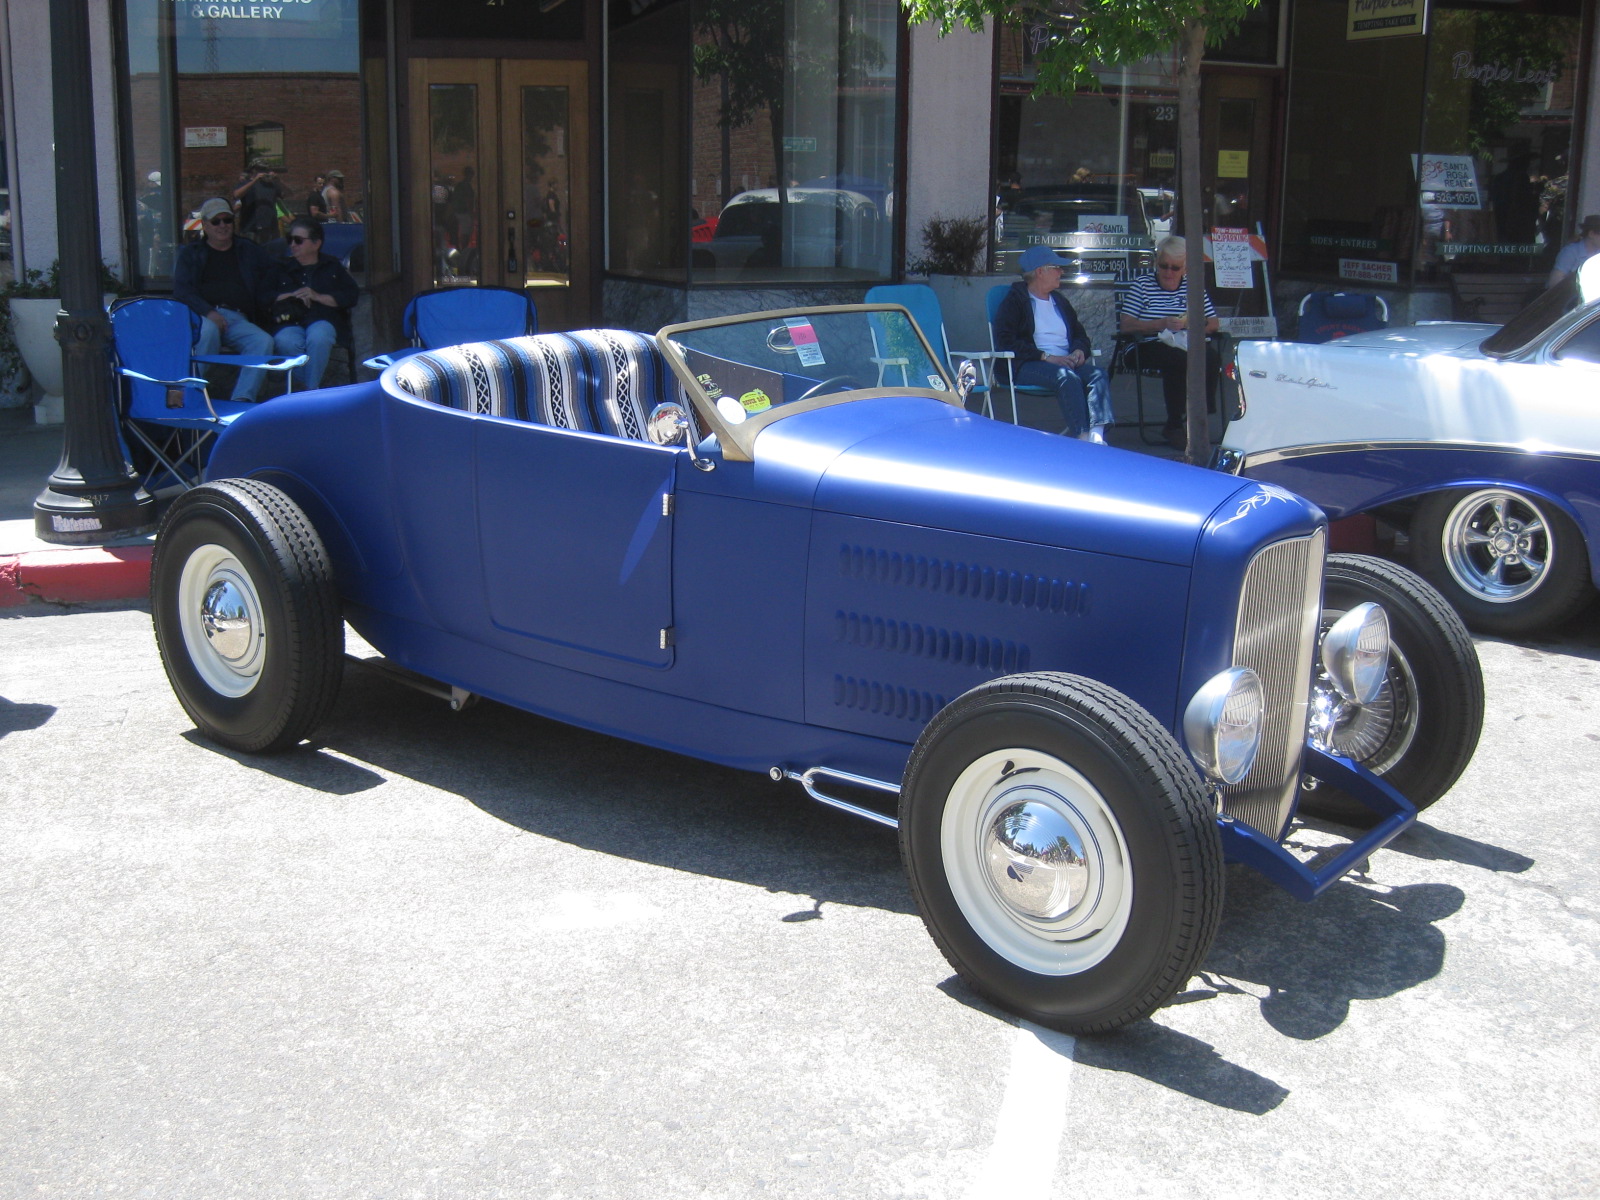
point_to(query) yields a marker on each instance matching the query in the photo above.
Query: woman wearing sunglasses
(1158, 304)
(311, 296)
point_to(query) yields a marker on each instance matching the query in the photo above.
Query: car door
(575, 532)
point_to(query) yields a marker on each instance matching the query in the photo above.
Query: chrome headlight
(1223, 724)
(1355, 652)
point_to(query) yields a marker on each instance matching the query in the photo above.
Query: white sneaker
(1097, 435)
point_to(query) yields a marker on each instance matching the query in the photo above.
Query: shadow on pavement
(14, 717)
(1355, 942)
(614, 797)
(1161, 1055)
(1184, 1064)
(1436, 845)
(304, 765)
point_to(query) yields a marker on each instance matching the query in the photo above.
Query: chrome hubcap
(1036, 861)
(1496, 545)
(226, 621)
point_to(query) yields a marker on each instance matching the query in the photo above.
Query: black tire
(263, 682)
(1542, 582)
(1053, 745)
(1421, 732)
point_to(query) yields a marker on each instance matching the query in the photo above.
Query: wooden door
(500, 180)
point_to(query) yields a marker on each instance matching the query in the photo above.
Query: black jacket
(328, 276)
(255, 265)
(1013, 325)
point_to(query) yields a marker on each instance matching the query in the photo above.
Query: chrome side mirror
(966, 379)
(668, 424)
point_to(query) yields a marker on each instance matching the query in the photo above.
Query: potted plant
(954, 251)
(28, 309)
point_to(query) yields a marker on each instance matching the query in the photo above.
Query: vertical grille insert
(1276, 637)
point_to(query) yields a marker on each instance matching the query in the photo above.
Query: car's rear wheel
(1061, 850)
(246, 615)
(1509, 562)
(1420, 732)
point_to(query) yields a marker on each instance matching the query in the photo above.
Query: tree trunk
(1193, 214)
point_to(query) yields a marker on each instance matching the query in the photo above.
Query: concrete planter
(962, 300)
(33, 322)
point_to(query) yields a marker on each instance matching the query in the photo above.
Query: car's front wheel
(1061, 850)
(1420, 731)
(1509, 562)
(246, 615)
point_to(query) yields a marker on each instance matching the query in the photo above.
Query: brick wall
(320, 114)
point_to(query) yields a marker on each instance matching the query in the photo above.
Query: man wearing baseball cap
(1051, 349)
(220, 278)
(1574, 254)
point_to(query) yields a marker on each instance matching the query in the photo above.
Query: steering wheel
(833, 383)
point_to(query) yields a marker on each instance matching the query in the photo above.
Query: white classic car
(1482, 442)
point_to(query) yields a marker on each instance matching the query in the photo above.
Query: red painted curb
(75, 576)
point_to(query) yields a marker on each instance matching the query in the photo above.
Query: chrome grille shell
(1280, 605)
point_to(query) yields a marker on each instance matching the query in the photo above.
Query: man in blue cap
(1035, 322)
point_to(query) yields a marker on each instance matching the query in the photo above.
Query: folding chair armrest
(259, 362)
(379, 362)
(190, 382)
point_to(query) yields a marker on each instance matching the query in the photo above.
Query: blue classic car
(1075, 679)
(1482, 442)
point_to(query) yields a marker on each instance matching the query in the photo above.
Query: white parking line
(1033, 1116)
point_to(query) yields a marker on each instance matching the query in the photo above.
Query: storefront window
(1497, 135)
(1412, 157)
(260, 103)
(797, 93)
(1094, 175)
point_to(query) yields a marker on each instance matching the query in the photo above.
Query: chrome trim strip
(807, 780)
(1262, 458)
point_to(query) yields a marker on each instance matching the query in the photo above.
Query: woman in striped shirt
(1158, 302)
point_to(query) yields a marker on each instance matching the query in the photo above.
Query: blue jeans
(315, 341)
(1083, 392)
(241, 337)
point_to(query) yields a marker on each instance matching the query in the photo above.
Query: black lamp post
(93, 495)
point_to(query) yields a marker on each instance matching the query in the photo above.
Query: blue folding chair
(167, 408)
(992, 305)
(453, 316)
(1326, 316)
(922, 303)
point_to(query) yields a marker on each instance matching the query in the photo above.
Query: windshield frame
(738, 441)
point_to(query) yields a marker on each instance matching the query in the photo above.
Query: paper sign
(1249, 327)
(1448, 181)
(1233, 164)
(205, 137)
(804, 338)
(1369, 270)
(1230, 252)
(1385, 18)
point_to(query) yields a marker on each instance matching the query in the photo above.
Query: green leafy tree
(1080, 37)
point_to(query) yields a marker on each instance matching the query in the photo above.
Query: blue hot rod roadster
(1075, 679)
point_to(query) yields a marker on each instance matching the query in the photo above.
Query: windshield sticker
(711, 389)
(755, 401)
(804, 338)
(936, 383)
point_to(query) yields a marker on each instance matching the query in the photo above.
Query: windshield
(751, 370)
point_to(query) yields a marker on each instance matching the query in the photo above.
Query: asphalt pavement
(480, 954)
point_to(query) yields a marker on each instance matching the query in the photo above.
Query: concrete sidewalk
(33, 571)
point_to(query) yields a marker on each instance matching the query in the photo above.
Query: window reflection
(792, 140)
(221, 96)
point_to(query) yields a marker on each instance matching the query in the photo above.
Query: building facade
(636, 162)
